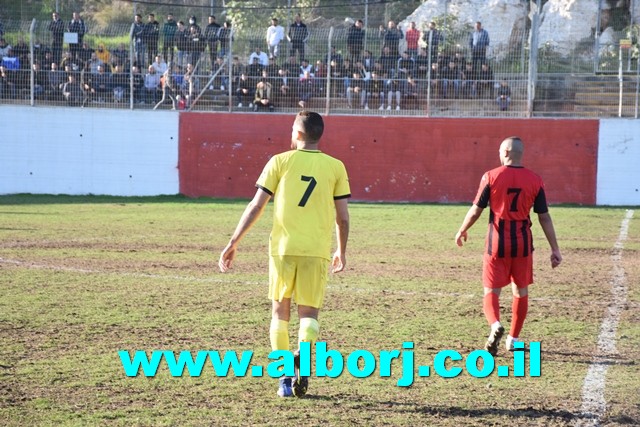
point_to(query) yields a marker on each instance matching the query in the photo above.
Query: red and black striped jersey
(510, 192)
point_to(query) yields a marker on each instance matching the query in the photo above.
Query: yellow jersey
(304, 185)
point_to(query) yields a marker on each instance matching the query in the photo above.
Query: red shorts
(500, 272)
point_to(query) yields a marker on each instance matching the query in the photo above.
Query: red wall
(387, 158)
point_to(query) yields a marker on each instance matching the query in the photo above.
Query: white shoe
(398, 108)
(366, 107)
(509, 343)
(381, 108)
(497, 330)
(222, 87)
(240, 105)
(388, 107)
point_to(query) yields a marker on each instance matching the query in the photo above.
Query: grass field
(84, 277)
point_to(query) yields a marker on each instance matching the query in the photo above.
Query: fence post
(131, 55)
(328, 82)
(533, 60)
(32, 77)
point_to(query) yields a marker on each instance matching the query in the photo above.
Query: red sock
(519, 308)
(491, 307)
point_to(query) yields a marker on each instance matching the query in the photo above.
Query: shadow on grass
(65, 199)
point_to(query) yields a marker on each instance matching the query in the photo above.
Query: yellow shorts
(301, 277)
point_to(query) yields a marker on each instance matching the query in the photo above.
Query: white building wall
(88, 151)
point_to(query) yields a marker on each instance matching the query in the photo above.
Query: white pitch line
(594, 404)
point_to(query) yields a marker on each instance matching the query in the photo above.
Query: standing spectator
(391, 37)
(412, 36)
(298, 36)
(168, 38)
(511, 191)
(225, 38)
(301, 237)
(478, 44)
(355, 40)
(77, 25)
(151, 36)
(182, 44)
(432, 38)
(275, 34)
(211, 34)
(56, 27)
(139, 43)
(504, 96)
(197, 44)
(263, 59)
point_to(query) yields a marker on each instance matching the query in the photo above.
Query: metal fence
(445, 79)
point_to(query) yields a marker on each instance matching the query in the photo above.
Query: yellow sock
(309, 329)
(279, 334)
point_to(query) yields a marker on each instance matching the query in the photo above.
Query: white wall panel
(88, 151)
(618, 163)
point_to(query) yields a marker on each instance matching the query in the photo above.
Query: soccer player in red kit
(510, 191)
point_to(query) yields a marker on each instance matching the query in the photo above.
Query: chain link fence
(437, 75)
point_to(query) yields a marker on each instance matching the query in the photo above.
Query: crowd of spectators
(168, 63)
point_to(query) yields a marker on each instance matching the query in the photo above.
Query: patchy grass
(84, 277)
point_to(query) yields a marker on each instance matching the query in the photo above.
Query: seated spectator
(485, 81)
(244, 90)
(293, 66)
(40, 80)
(377, 88)
(4, 48)
(306, 87)
(504, 96)
(469, 81)
(219, 68)
(138, 85)
(320, 74)
(7, 84)
(170, 88)
(254, 71)
(272, 68)
(388, 61)
(71, 64)
(262, 98)
(395, 88)
(451, 78)
(152, 89)
(160, 66)
(93, 63)
(436, 80)
(190, 85)
(10, 61)
(119, 83)
(284, 86)
(337, 79)
(357, 89)
(103, 54)
(413, 92)
(97, 86)
(120, 56)
(406, 66)
(263, 58)
(57, 79)
(84, 53)
(72, 91)
(305, 67)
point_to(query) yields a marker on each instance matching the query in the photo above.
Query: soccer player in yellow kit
(310, 191)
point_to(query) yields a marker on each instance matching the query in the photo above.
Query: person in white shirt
(159, 64)
(262, 57)
(275, 34)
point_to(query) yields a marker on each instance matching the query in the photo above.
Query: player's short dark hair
(311, 124)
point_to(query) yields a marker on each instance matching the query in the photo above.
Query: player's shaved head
(310, 124)
(513, 149)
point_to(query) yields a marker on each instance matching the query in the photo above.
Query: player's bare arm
(250, 216)
(472, 216)
(342, 232)
(549, 231)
